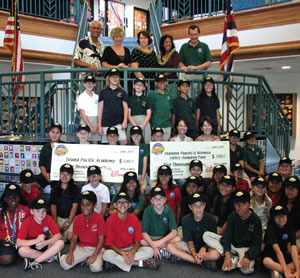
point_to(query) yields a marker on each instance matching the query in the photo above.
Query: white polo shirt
(88, 103)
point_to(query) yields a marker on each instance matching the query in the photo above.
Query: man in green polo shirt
(194, 225)
(159, 224)
(194, 55)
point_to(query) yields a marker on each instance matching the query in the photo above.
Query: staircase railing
(155, 23)
(246, 103)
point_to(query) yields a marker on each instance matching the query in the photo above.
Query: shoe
(31, 264)
(275, 274)
(211, 265)
(174, 259)
(164, 253)
(234, 261)
(152, 263)
(109, 267)
(54, 258)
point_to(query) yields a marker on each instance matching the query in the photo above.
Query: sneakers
(152, 263)
(275, 274)
(55, 258)
(174, 259)
(211, 265)
(109, 267)
(234, 261)
(164, 253)
(31, 264)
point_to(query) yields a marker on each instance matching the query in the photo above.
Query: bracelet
(67, 223)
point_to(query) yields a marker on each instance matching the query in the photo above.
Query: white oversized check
(114, 161)
(178, 156)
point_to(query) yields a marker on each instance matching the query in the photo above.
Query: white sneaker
(234, 261)
(275, 274)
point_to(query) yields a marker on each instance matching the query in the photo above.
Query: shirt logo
(133, 205)
(165, 220)
(119, 94)
(285, 236)
(142, 151)
(172, 195)
(199, 50)
(46, 229)
(130, 230)
(94, 228)
(251, 228)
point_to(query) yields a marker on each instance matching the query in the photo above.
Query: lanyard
(13, 227)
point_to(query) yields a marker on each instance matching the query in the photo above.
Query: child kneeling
(124, 233)
(39, 238)
(89, 228)
(193, 248)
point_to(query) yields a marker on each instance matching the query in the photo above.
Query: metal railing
(154, 25)
(172, 11)
(246, 103)
(66, 10)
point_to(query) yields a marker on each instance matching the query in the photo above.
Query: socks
(141, 264)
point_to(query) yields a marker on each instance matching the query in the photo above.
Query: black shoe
(211, 265)
(109, 267)
(31, 264)
(174, 259)
(151, 263)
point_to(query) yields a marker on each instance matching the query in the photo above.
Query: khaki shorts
(122, 134)
(61, 222)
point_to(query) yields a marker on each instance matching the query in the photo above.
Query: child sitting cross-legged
(159, 224)
(39, 238)
(193, 248)
(89, 228)
(123, 239)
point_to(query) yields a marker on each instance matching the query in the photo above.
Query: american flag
(12, 41)
(230, 42)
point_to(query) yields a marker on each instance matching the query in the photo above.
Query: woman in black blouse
(116, 55)
(144, 56)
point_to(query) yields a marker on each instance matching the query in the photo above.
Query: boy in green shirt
(159, 224)
(193, 248)
(161, 106)
(241, 242)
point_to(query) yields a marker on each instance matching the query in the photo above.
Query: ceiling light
(286, 67)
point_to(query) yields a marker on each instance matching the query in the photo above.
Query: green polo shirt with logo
(155, 224)
(161, 106)
(194, 56)
(185, 109)
(138, 105)
(253, 156)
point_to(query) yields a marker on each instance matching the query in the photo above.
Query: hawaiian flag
(12, 41)
(230, 42)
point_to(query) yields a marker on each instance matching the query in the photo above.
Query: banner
(114, 161)
(178, 156)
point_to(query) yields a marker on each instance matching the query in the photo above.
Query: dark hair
(4, 206)
(170, 183)
(178, 121)
(183, 189)
(206, 119)
(137, 191)
(131, 142)
(193, 27)
(203, 93)
(145, 34)
(161, 43)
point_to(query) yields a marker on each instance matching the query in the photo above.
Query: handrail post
(42, 104)
(258, 124)
(125, 80)
(159, 11)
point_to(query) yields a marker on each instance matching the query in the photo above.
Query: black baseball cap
(275, 177)
(56, 125)
(241, 196)
(182, 81)
(259, 181)
(237, 167)
(193, 179)
(89, 78)
(140, 80)
(230, 180)
(12, 189)
(278, 210)
(27, 176)
(67, 168)
(84, 127)
(220, 168)
(248, 135)
(128, 176)
(197, 197)
(157, 191)
(196, 162)
(113, 71)
(136, 130)
(285, 160)
(89, 195)
(122, 195)
(292, 181)
(93, 170)
(38, 203)
(235, 133)
(112, 130)
(160, 77)
(157, 129)
(164, 170)
(208, 79)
